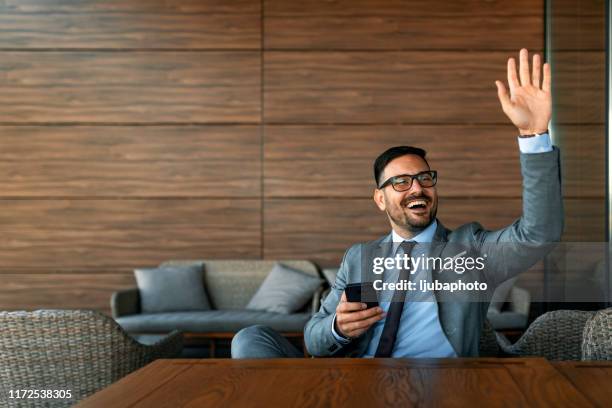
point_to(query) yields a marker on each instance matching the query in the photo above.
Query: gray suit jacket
(510, 251)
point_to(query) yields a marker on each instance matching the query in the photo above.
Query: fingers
(535, 71)
(513, 82)
(345, 306)
(546, 81)
(361, 326)
(503, 96)
(343, 318)
(524, 67)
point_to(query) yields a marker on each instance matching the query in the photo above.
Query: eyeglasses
(403, 182)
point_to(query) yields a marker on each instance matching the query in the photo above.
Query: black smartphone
(355, 292)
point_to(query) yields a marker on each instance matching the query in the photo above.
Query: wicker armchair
(488, 345)
(597, 343)
(78, 350)
(554, 335)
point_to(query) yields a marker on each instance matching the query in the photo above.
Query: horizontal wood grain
(62, 291)
(323, 229)
(89, 235)
(579, 80)
(128, 161)
(102, 87)
(579, 32)
(384, 87)
(583, 158)
(585, 220)
(394, 24)
(578, 25)
(115, 24)
(336, 161)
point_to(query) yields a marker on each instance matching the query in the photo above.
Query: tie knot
(408, 246)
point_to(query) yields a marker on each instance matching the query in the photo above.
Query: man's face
(398, 205)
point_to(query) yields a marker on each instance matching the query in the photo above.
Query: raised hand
(529, 105)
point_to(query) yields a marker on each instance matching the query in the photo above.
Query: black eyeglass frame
(391, 180)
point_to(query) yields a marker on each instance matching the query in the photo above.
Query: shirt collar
(425, 236)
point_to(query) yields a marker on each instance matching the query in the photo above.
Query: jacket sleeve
(318, 336)
(519, 246)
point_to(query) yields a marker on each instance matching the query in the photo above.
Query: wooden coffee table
(331, 382)
(592, 378)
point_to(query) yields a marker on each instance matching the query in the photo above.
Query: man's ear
(379, 199)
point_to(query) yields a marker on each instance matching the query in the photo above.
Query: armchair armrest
(316, 299)
(125, 302)
(169, 347)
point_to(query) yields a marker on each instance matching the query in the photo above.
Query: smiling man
(438, 324)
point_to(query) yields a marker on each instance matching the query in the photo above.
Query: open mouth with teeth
(417, 205)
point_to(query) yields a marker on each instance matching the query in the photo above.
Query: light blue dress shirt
(420, 333)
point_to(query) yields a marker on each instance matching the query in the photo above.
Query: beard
(401, 216)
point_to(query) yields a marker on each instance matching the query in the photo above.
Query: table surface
(342, 382)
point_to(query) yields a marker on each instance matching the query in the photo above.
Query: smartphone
(355, 292)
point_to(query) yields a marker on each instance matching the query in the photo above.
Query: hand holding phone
(353, 318)
(362, 292)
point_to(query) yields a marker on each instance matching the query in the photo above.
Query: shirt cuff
(340, 339)
(536, 144)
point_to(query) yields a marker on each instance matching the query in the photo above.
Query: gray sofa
(230, 284)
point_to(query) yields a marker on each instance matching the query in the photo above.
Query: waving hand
(529, 104)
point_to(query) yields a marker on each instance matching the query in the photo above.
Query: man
(441, 323)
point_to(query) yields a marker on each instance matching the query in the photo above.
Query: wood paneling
(132, 131)
(336, 161)
(129, 161)
(584, 220)
(322, 230)
(579, 87)
(390, 87)
(583, 157)
(578, 25)
(116, 24)
(61, 291)
(102, 87)
(117, 235)
(395, 24)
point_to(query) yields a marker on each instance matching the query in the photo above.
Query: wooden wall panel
(82, 235)
(336, 161)
(146, 87)
(130, 161)
(383, 87)
(578, 25)
(579, 87)
(62, 291)
(584, 160)
(585, 220)
(116, 24)
(323, 229)
(136, 132)
(395, 24)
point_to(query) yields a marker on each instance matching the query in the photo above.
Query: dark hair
(393, 153)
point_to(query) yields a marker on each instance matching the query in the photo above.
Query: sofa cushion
(231, 283)
(173, 288)
(284, 290)
(212, 321)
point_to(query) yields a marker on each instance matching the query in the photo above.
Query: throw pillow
(171, 289)
(285, 290)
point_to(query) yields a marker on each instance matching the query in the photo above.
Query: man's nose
(415, 188)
